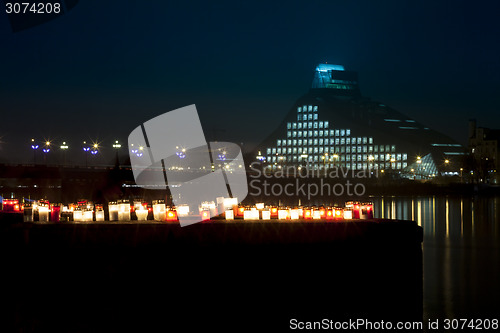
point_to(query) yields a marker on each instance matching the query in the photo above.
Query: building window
(279, 151)
(348, 149)
(365, 149)
(315, 116)
(299, 109)
(320, 124)
(310, 108)
(405, 157)
(348, 141)
(310, 117)
(370, 141)
(365, 140)
(315, 142)
(320, 141)
(393, 149)
(304, 117)
(274, 151)
(337, 132)
(381, 148)
(294, 125)
(342, 141)
(315, 109)
(289, 125)
(375, 149)
(342, 132)
(326, 124)
(268, 151)
(332, 132)
(315, 133)
(315, 124)
(299, 125)
(348, 132)
(359, 140)
(309, 125)
(353, 149)
(337, 140)
(310, 142)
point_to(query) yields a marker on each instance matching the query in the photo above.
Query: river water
(461, 252)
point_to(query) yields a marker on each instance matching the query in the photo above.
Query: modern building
(334, 125)
(483, 149)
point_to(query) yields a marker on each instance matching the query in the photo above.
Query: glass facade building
(334, 125)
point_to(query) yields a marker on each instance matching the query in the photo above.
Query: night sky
(103, 68)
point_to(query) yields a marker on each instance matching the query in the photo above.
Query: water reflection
(461, 251)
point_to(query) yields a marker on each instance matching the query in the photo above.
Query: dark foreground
(251, 276)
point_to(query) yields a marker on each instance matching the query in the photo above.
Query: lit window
(310, 108)
(315, 117)
(353, 149)
(348, 157)
(365, 157)
(295, 142)
(405, 157)
(348, 141)
(299, 126)
(315, 133)
(332, 132)
(326, 124)
(342, 141)
(310, 142)
(294, 134)
(398, 157)
(320, 124)
(310, 133)
(375, 149)
(370, 140)
(304, 117)
(315, 109)
(381, 148)
(289, 125)
(299, 109)
(289, 142)
(348, 149)
(342, 149)
(365, 140)
(405, 164)
(274, 150)
(348, 132)
(278, 151)
(304, 108)
(387, 148)
(279, 142)
(359, 140)
(300, 142)
(359, 158)
(295, 150)
(337, 132)
(294, 125)
(393, 149)
(365, 149)
(342, 132)
(315, 142)
(320, 133)
(268, 151)
(309, 125)
(274, 159)
(320, 149)
(310, 150)
(337, 140)
(300, 134)
(289, 150)
(310, 117)
(320, 141)
(315, 124)
(289, 134)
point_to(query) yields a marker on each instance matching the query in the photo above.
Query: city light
(117, 145)
(64, 146)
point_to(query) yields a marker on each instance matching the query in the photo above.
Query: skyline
(73, 77)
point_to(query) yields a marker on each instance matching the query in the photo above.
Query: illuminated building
(334, 125)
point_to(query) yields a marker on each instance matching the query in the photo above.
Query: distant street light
(86, 149)
(64, 147)
(116, 147)
(35, 147)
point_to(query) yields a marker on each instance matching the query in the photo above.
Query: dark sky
(105, 67)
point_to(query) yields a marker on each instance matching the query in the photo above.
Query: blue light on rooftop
(329, 67)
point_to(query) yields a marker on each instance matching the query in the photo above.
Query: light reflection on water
(461, 251)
